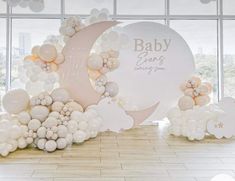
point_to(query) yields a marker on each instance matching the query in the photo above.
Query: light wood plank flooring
(147, 153)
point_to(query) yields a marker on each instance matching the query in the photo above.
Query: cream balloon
(15, 101)
(47, 52)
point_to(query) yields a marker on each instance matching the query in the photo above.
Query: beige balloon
(74, 73)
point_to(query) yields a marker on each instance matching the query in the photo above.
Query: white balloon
(3, 135)
(69, 139)
(15, 101)
(36, 5)
(61, 143)
(60, 95)
(41, 132)
(50, 146)
(76, 115)
(41, 143)
(14, 145)
(111, 88)
(24, 117)
(50, 122)
(15, 132)
(57, 106)
(95, 62)
(22, 143)
(72, 126)
(79, 136)
(34, 124)
(39, 112)
(62, 131)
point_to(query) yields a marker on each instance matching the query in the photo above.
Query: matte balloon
(48, 52)
(60, 95)
(39, 112)
(15, 101)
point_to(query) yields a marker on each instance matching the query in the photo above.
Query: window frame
(167, 17)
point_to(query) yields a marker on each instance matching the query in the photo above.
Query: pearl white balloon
(75, 106)
(3, 135)
(14, 145)
(47, 52)
(69, 138)
(24, 117)
(76, 115)
(61, 143)
(41, 143)
(22, 143)
(57, 106)
(15, 101)
(50, 146)
(79, 136)
(95, 62)
(50, 122)
(15, 132)
(62, 131)
(82, 125)
(41, 132)
(111, 88)
(34, 124)
(36, 5)
(54, 114)
(39, 112)
(60, 95)
(72, 126)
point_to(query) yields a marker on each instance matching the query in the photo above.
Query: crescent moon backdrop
(73, 72)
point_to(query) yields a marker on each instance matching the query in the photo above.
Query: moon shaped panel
(73, 72)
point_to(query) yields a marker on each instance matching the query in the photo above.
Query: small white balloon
(34, 124)
(50, 146)
(41, 144)
(61, 143)
(22, 143)
(39, 112)
(60, 95)
(41, 132)
(24, 117)
(62, 131)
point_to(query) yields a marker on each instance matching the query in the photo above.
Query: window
(2, 56)
(229, 58)
(25, 34)
(203, 44)
(207, 25)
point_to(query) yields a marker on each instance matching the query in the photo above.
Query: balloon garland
(43, 115)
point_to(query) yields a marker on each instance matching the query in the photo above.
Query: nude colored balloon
(186, 102)
(15, 101)
(47, 52)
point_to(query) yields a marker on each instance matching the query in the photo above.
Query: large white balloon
(15, 101)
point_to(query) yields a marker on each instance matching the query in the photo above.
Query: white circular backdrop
(153, 66)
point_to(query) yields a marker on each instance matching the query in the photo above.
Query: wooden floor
(143, 154)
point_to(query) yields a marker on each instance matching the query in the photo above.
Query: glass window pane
(2, 57)
(3, 7)
(201, 36)
(140, 7)
(229, 7)
(229, 58)
(85, 6)
(50, 7)
(192, 7)
(27, 33)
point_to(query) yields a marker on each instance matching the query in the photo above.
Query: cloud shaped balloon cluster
(192, 123)
(46, 121)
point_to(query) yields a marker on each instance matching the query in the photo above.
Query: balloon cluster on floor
(46, 121)
(42, 114)
(194, 118)
(34, 5)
